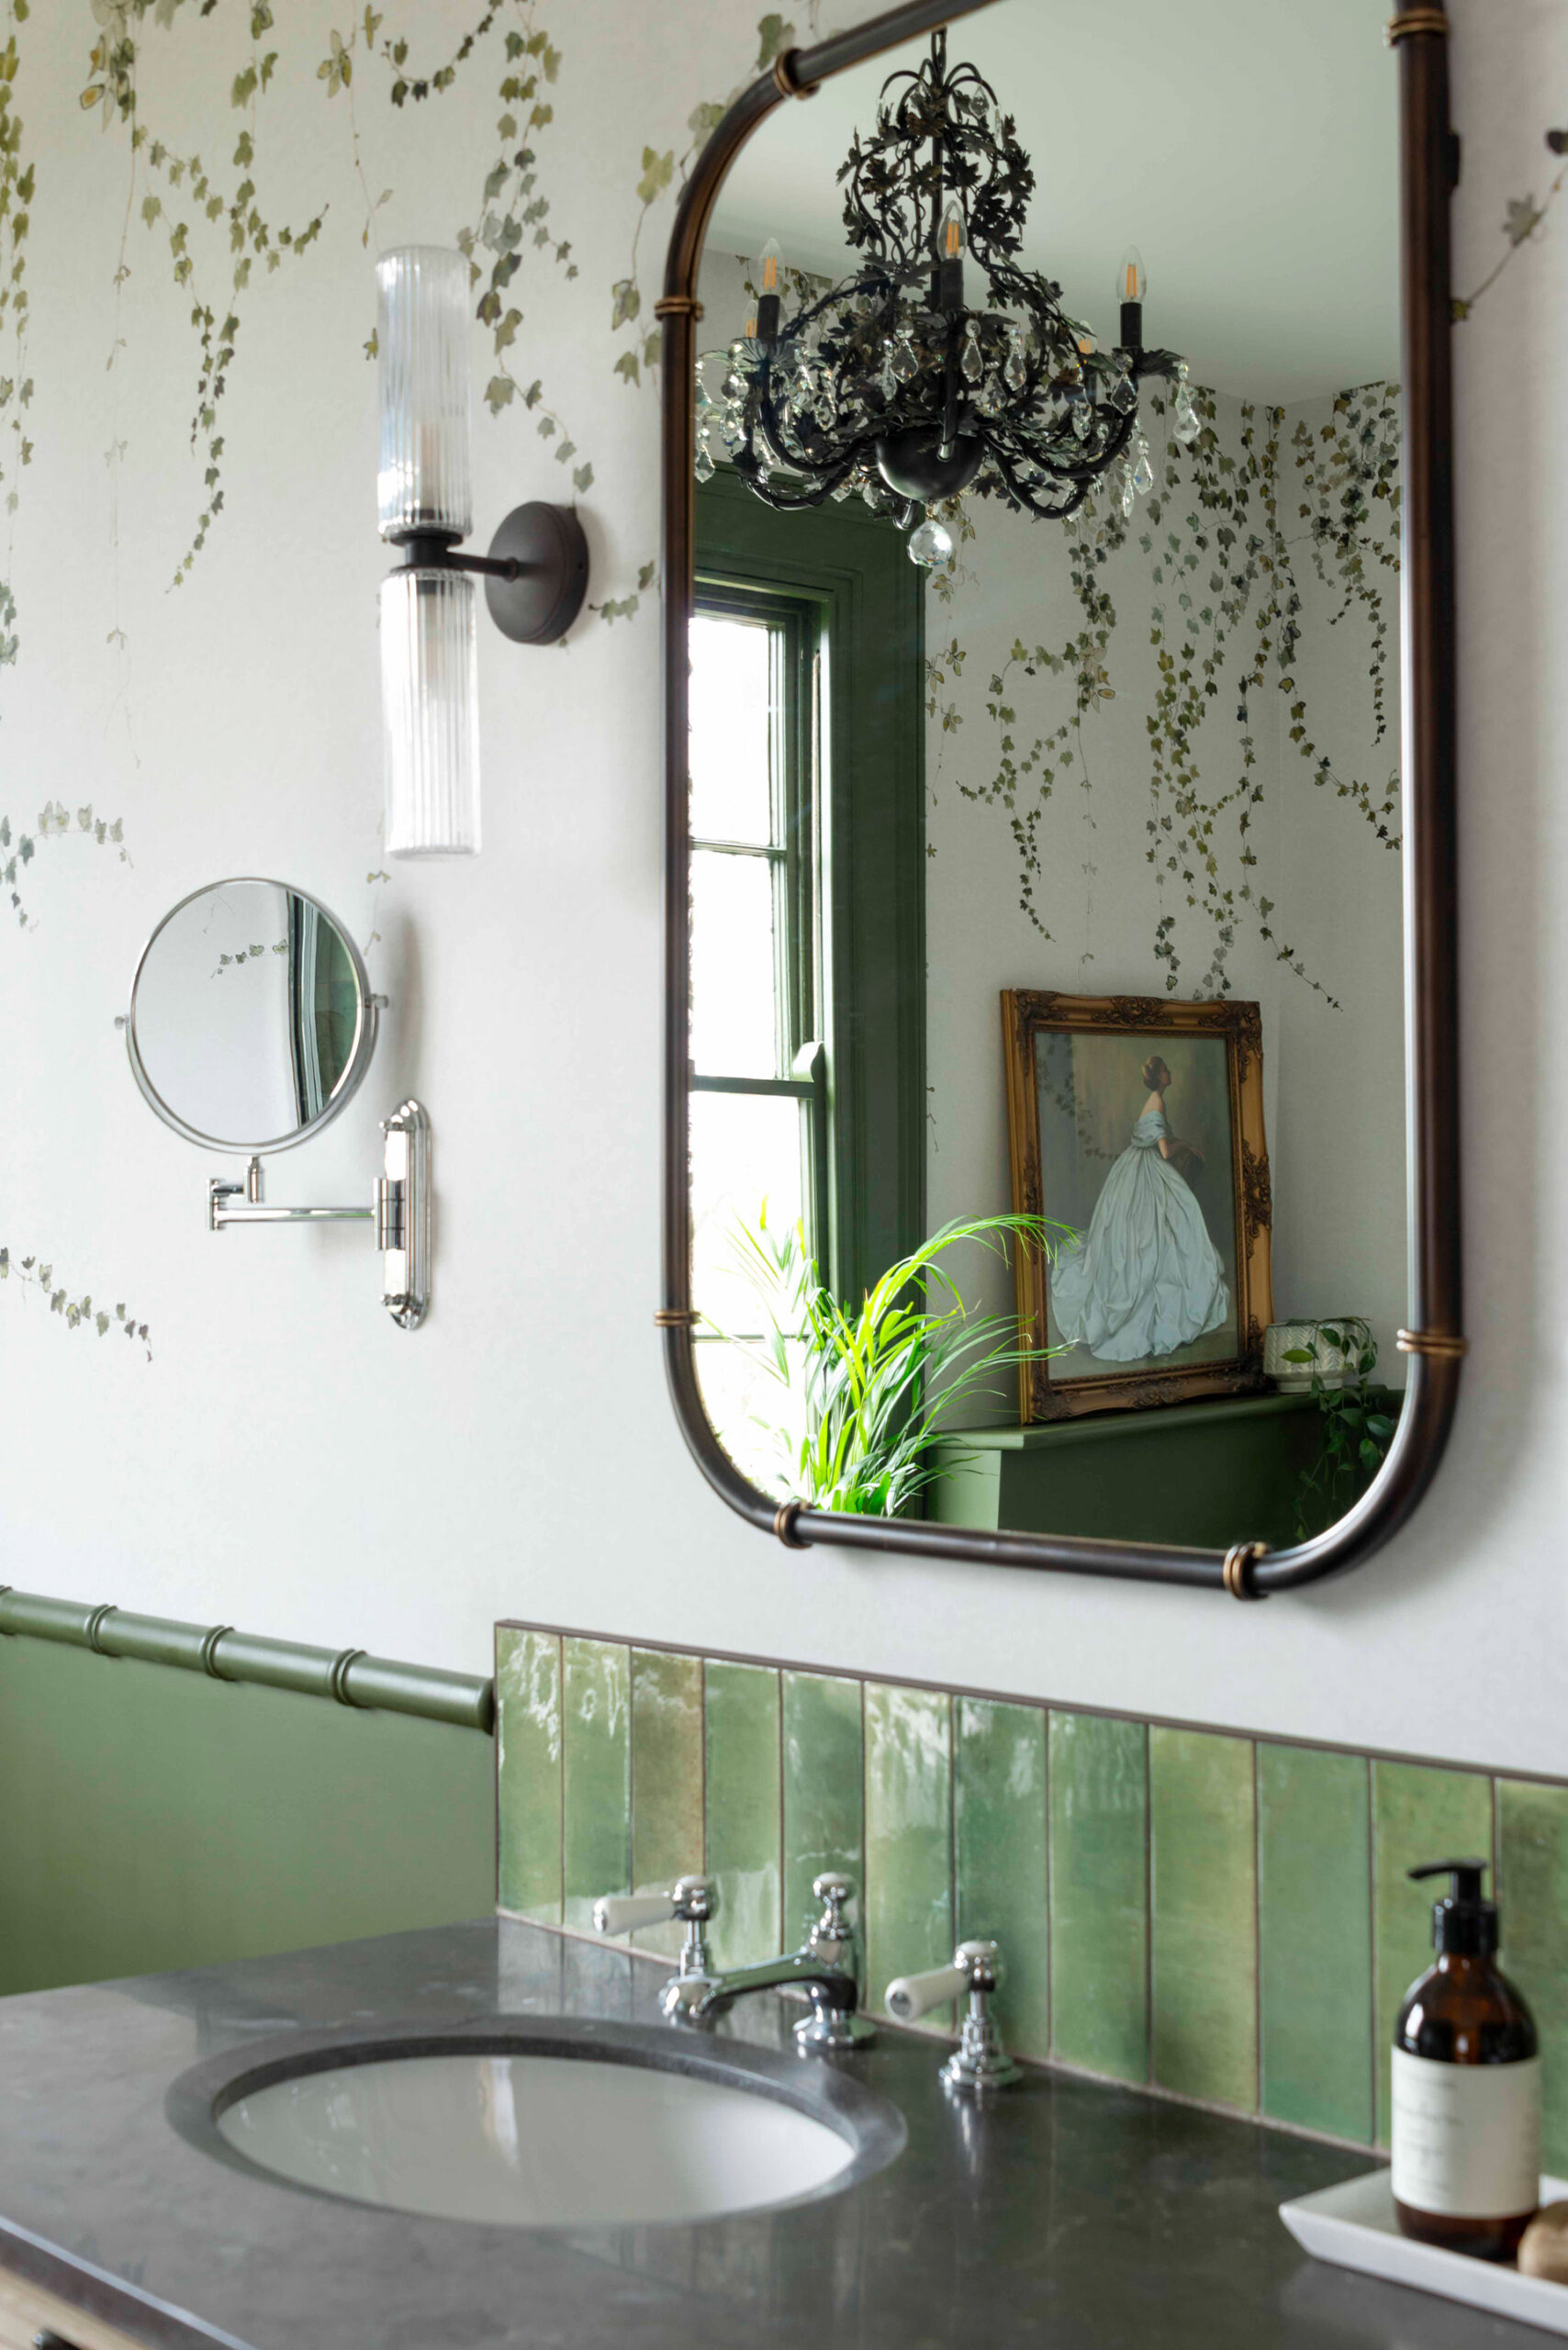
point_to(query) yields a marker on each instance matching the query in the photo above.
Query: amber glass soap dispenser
(1466, 2086)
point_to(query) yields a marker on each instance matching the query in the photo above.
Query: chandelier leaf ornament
(893, 385)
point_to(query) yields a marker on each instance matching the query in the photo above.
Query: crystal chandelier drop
(892, 384)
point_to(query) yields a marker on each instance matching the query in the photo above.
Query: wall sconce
(535, 575)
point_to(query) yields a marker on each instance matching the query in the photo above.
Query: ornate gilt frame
(1028, 1013)
(1428, 171)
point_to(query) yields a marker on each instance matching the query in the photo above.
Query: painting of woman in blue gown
(1136, 1154)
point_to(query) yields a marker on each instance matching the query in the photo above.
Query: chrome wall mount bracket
(399, 1212)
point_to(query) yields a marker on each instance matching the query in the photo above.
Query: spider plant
(867, 1389)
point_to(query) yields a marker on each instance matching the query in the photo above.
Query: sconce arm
(433, 550)
(535, 573)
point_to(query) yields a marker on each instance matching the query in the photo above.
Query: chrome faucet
(827, 1969)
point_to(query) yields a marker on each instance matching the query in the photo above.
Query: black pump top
(1464, 1924)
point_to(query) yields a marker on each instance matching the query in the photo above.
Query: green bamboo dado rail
(347, 1676)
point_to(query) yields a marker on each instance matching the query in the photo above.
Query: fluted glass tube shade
(422, 336)
(429, 708)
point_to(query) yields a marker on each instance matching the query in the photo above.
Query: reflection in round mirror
(251, 1021)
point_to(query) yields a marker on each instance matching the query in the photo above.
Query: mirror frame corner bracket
(1433, 1342)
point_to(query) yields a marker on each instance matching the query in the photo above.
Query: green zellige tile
(1314, 1939)
(743, 1786)
(1532, 1824)
(597, 1796)
(822, 1824)
(1418, 1815)
(908, 1903)
(1203, 1916)
(667, 1779)
(1099, 1828)
(528, 1773)
(999, 1826)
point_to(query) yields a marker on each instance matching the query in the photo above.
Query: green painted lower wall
(151, 1819)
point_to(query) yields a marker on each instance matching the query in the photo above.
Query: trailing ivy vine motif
(17, 190)
(512, 214)
(19, 848)
(662, 171)
(75, 1313)
(189, 198)
(1225, 628)
(1522, 217)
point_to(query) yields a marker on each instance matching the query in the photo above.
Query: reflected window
(758, 1111)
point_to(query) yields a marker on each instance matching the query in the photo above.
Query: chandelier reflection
(894, 385)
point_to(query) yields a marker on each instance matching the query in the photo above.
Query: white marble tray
(1353, 2226)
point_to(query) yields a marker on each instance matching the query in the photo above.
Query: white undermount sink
(630, 2129)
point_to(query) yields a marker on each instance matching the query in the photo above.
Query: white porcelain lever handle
(622, 1913)
(915, 1995)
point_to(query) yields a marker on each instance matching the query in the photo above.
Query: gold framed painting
(1138, 1123)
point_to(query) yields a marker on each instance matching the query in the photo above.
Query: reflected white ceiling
(1246, 148)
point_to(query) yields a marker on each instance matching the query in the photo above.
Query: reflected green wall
(152, 1818)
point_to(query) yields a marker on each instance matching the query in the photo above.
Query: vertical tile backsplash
(824, 1778)
(1000, 1843)
(527, 1773)
(596, 1796)
(667, 1777)
(1220, 1917)
(907, 1897)
(1098, 1857)
(1202, 1916)
(1314, 1968)
(743, 1774)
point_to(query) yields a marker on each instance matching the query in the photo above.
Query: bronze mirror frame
(1428, 160)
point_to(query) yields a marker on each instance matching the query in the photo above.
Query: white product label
(1466, 2137)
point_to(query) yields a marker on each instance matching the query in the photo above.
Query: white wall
(289, 1461)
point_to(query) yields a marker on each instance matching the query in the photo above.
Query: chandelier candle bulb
(951, 246)
(1132, 284)
(770, 261)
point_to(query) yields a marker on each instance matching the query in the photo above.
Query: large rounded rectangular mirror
(1061, 1100)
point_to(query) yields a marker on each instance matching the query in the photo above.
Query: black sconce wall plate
(537, 603)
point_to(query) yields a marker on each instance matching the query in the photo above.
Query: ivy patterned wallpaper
(209, 227)
(191, 196)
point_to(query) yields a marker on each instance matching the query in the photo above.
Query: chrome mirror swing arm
(399, 1211)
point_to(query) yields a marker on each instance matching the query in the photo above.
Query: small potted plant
(865, 1390)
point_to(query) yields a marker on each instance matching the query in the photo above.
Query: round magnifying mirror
(251, 1022)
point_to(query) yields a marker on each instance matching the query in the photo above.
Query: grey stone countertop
(1065, 2214)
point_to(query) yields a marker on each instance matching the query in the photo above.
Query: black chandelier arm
(1069, 465)
(787, 495)
(1168, 364)
(1027, 498)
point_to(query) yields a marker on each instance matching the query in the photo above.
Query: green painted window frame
(795, 628)
(869, 842)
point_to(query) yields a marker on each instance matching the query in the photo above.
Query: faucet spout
(826, 1970)
(830, 1991)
